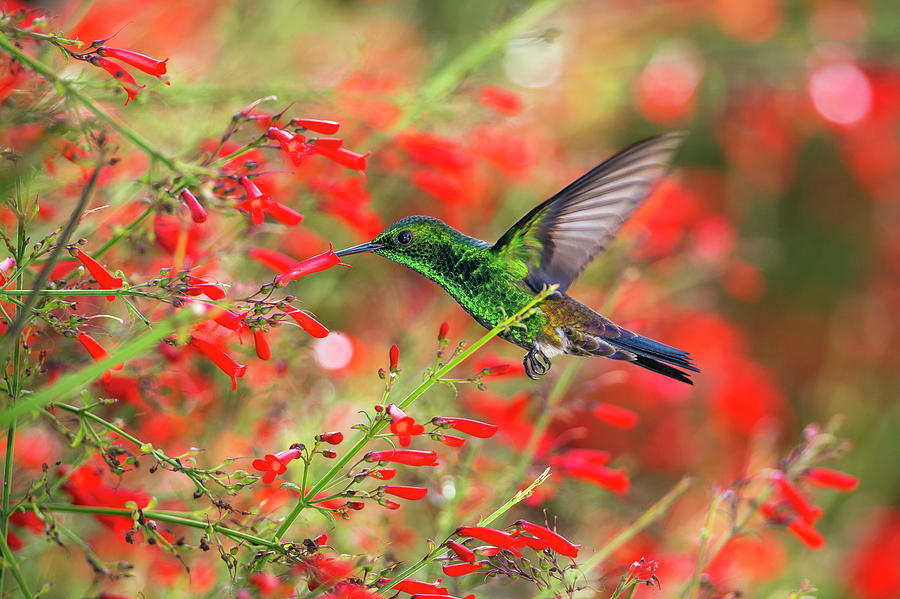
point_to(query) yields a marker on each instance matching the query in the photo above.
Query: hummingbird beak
(369, 246)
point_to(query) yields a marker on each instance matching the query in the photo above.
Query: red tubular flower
(394, 358)
(451, 440)
(444, 187)
(498, 370)
(258, 205)
(103, 277)
(319, 126)
(97, 352)
(415, 586)
(461, 569)
(273, 465)
(500, 99)
(409, 457)
(555, 541)
(495, 537)
(121, 75)
(614, 480)
(311, 265)
(5, 266)
(411, 493)
(198, 286)
(461, 551)
(225, 362)
(332, 438)
(294, 145)
(277, 261)
(383, 473)
(328, 142)
(356, 505)
(443, 331)
(307, 322)
(151, 66)
(482, 430)
(804, 508)
(90, 344)
(834, 479)
(263, 351)
(264, 582)
(391, 505)
(344, 157)
(536, 544)
(198, 212)
(403, 426)
(329, 453)
(616, 415)
(231, 320)
(804, 531)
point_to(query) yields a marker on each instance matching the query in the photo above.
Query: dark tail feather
(664, 369)
(657, 356)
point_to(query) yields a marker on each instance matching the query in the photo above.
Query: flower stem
(74, 93)
(235, 535)
(365, 437)
(13, 565)
(653, 513)
(430, 557)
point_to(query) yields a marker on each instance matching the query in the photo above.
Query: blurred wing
(554, 242)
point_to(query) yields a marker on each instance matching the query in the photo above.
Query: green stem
(86, 413)
(14, 566)
(653, 513)
(15, 392)
(365, 437)
(235, 535)
(556, 394)
(432, 555)
(705, 533)
(449, 77)
(73, 92)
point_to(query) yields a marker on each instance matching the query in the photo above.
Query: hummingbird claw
(537, 364)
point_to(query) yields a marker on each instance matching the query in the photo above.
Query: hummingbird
(551, 245)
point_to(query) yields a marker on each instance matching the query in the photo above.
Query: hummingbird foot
(536, 363)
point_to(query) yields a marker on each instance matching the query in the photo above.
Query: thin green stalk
(14, 567)
(73, 92)
(705, 533)
(365, 437)
(72, 383)
(86, 413)
(15, 392)
(434, 553)
(161, 516)
(556, 395)
(450, 76)
(653, 513)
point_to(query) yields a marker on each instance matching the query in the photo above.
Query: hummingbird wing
(554, 242)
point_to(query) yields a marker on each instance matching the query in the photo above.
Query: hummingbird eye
(404, 237)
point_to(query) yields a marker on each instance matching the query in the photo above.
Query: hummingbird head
(419, 242)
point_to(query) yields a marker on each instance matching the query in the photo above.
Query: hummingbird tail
(654, 356)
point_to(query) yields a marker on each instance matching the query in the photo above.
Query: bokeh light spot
(334, 351)
(841, 93)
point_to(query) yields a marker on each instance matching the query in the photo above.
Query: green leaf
(73, 383)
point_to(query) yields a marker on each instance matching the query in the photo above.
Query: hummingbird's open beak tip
(369, 246)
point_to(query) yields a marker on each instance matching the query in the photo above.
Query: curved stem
(364, 438)
(231, 533)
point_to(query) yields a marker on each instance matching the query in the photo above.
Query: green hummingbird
(551, 245)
